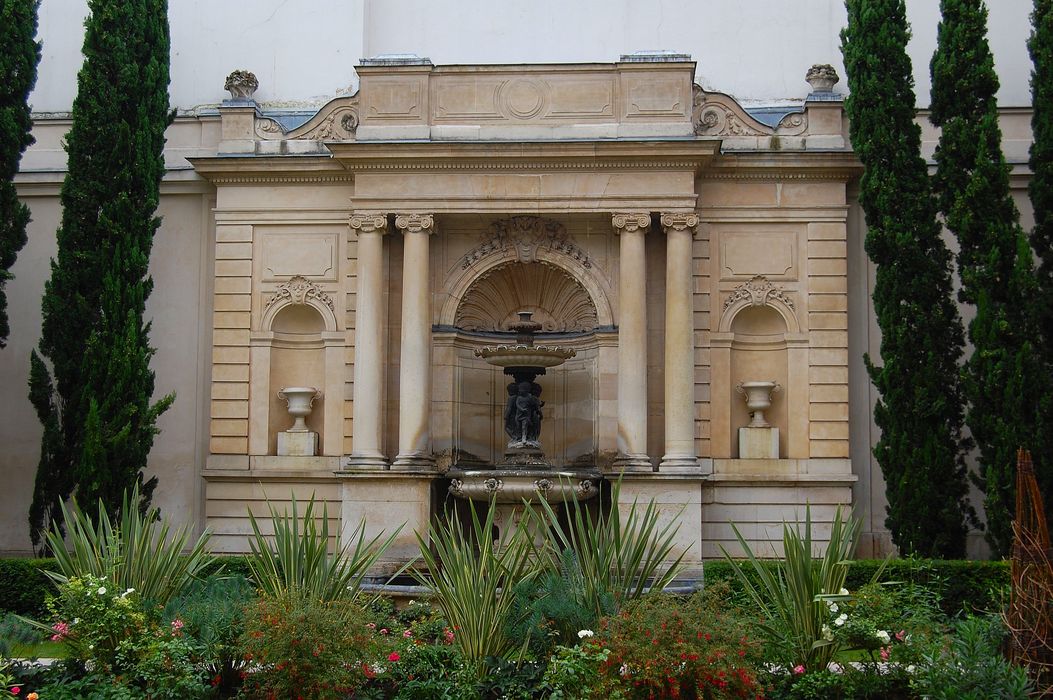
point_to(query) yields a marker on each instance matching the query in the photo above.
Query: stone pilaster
(415, 364)
(369, 327)
(632, 341)
(679, 454)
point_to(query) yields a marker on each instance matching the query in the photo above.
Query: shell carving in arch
(523, 236)
(300, 290)
(558, 301)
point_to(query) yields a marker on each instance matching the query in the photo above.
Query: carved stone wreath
(758, 291)
(297, 291)
(525, 235)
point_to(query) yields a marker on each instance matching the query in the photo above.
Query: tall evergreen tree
(1041, 192)
(1002, 381)
(98, 408)
(920, 409)
(18, 73)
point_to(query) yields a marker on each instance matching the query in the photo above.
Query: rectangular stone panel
(284, 255)
(829, 448)
(228, 445)
(745, 254)
(226, 233)
(230, 390)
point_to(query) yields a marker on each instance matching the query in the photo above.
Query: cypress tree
(1040, 190)
(920, 410)
(1001, 380)
(99, 403)
(18, 73)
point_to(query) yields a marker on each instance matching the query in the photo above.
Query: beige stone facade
(678, 244)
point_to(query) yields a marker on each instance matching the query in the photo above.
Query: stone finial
(241, 84)
(822, 77)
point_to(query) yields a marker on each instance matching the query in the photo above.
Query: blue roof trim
(771, 116)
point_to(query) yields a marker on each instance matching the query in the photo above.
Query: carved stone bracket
(717, 114)
(758, 291)
(368, 222)
(335, 121)
(415, 223)
(679, 222)
(524, 235)
(298, 290)
(631, 222)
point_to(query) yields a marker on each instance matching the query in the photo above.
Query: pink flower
(407, 634)
(798, 669)
(901, 635)
(884, 653)
(393, 656)
(371, 626)
(61, 630)
(16, 690)
(177, 626)
(448, 634)
(383, 630)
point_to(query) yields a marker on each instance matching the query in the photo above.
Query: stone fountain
(523, 473)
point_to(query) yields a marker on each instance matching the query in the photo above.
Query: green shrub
(300, 647)
(24, 586)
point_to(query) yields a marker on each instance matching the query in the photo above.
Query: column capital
(630, 222)
(678, 221)
(369, 222)
(415, 223)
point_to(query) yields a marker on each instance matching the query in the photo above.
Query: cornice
(225, 170)
(837, 166)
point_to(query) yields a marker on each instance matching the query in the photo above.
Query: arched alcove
(297, 359)
(759, 353)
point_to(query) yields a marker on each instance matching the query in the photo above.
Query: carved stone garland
(525, 235)
(758, 292)
(297, 291)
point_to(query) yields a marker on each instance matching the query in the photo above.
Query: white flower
(90, 647)
(843, 591)
(128, 592)
(76, 620)
(841, 619)
(625, 671)
(828, 634)
(832, 605)
(582, 634)
(102, 590)
(883, 636)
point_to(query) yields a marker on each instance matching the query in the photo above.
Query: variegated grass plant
(793, 593)
(621, 555)
(296, 561)
(138, 551)
(471, 578)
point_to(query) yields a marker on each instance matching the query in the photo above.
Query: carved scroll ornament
(298, 290)
(524, 236)
(758, 291)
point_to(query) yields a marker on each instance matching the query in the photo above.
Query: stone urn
(758, 400)
(300, 399)
(822, 77)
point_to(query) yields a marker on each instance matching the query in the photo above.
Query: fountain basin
(525, 355)
(517, 485)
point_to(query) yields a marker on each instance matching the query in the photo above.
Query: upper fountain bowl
(525, 355)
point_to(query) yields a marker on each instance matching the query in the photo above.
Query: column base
(633, 463)
(679, 464)
(415, 461)
(365, 461)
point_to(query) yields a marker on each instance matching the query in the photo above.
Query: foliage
(619, 554)
(1040, 190)
(96, 405)
(298, 646)
(1002, 380)
(920, 409)
(24, 586)
(552, 609)
(471, 578)
(793, 599)
(18, 73)
(972, 668)
(113, 634)
(661, 646)
(212, 613)
(139, 551)
(15, 632)
(423, 672)
(299, 562)
(573, 670)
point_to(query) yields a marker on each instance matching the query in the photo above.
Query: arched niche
(298, 344)
(572, 304)
(759, 338)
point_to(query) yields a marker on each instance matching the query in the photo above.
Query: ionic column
(415, 367)
(679, 345)
(369, 360)
(632, 341)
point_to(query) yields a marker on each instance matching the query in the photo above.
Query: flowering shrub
(303, 648)
(572, 671)
(664, 647)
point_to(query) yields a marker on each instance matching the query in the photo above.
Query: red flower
(393, 656)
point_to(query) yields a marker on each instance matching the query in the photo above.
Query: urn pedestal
(759, 439)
